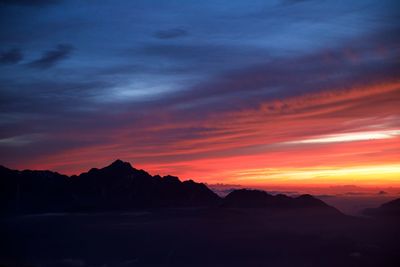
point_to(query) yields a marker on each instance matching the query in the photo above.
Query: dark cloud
(170, 33)
(12, 56)
(52, 57)
(29, 2)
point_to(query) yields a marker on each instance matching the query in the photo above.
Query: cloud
(273, 77)
(236, 90)
(355, 193)
(38, 3)
(52, 57)
(61, 97)
(170, 33)
(349, 137)
(190, 52)
(12, 56)
(19, 140)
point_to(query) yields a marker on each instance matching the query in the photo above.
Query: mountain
(39, 191)
(118, 186)
(245, 198)
(389, 209)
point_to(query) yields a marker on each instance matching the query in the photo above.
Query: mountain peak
(120, 164)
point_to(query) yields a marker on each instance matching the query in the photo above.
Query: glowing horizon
(364, 175)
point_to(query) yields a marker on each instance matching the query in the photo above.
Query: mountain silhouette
(388, 209)
(245, 198)
(28, 191)
(120, 186)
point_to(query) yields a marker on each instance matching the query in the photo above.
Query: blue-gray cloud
(52, 57)
(12, 56)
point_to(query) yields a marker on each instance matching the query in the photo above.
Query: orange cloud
(352, 131)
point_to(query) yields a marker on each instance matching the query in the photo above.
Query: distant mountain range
(245, 198)
(119, 186)
(389, 209)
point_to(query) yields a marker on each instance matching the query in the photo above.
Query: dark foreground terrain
(198, 237)
(122, 216)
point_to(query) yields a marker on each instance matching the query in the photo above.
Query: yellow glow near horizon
(382, 174)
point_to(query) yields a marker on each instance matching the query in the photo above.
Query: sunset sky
(285, 92)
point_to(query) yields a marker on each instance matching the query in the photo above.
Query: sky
(285, 92)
